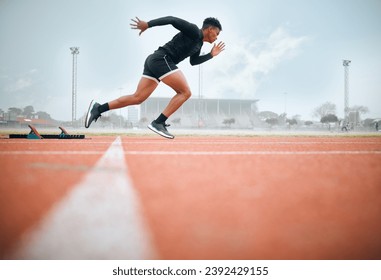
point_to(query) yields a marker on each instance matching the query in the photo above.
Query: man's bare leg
(179, 84)
(144, 90)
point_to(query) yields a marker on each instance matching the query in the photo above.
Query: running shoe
(161, 129)
(92, 114)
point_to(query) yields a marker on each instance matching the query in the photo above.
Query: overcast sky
(273, 47)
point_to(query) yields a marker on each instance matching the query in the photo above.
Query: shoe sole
(159, 132)
(89, 114)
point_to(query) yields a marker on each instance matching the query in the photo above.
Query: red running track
(203, 197)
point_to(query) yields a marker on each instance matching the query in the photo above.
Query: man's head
(211, 28)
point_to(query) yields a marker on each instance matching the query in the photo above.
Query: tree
(15, 111)
(308, 123)
(43, 115)
(28, 112)
(324, 110)
(282, 119)
(272, 121)
(292, 121)
(330, 118)
(228, 122)
(297, 117)
(264, 115)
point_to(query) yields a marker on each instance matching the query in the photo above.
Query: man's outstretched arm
(189, 29)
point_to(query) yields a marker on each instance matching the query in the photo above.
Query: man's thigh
(177, 82)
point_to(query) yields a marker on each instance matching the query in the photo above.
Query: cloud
(242, 66)
(21, 83)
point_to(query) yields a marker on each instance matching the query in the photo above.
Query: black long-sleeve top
(186, 43)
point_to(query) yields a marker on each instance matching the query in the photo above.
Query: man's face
(213, 33)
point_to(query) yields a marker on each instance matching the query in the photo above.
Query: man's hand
(217, 48)
(139, 24)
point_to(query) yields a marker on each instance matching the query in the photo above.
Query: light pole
(74, 52)
(346, 88)
(285, 103)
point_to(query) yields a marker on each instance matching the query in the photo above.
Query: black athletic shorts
(158, 65)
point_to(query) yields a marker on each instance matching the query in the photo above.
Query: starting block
(34, 134)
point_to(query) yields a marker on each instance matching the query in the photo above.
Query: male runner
(161, 66)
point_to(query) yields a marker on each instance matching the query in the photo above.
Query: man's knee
(138, 99)
(186, 93)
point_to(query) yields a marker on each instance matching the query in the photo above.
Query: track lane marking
(28, 152)
(196, 153)
(224, 153)
(99, 219)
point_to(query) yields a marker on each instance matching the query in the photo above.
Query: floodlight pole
(74, 52)
(346, 89)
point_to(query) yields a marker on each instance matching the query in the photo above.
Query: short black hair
(211, 21)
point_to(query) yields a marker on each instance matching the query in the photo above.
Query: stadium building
(212, 113)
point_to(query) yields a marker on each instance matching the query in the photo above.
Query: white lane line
(99, 219)
(223, 153)
(197, 153)
(53, 141)
(239, 142)
(27, 152)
